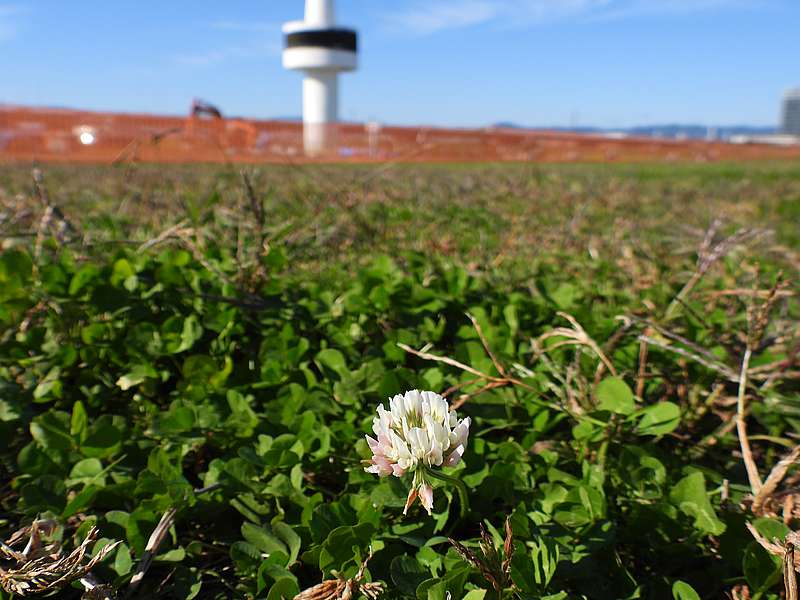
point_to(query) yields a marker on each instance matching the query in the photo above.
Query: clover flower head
(419, 432)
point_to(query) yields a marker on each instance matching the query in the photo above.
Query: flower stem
(460, 487)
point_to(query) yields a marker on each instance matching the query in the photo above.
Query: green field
(217, 342)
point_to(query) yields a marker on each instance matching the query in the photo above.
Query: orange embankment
(60, 135)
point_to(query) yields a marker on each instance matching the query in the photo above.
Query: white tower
(321, 51)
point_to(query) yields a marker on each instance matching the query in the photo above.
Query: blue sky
(610, 63)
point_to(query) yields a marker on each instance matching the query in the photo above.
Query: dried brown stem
(156, 538)
(750, 293)
(344, 589)
(45, 569)
(576, 336)
(787, 555)
(723, 370)
(44, 225)
(459, 402)
(708, 254)
(454, 388)
(651, 327)
(640, 376)
(493, 382)
(775, 477)
(495, 362)
(741, 428)
(256, 206)
(789, 577)
(199, 255)
(448, 361)
(168, 233)
(95, 589)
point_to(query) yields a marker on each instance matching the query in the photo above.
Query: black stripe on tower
(331, 39)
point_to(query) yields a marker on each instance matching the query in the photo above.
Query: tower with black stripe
(321, 50)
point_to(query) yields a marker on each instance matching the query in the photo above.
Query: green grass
(470, 213)
(167, 341)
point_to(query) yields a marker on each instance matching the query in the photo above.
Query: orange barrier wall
(55, 135)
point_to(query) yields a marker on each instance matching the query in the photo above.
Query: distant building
(775, 139)
(791, 112)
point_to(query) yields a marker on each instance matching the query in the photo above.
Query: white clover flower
(418, 432)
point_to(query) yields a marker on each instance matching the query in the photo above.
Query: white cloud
(426, 17)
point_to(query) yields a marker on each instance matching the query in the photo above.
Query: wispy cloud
(9, 20)
(213, 57)
(246, 26)
(634, 8)
(445, 14)
(256, 40)
(422, 18)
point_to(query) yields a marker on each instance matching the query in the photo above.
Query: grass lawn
(212, 345)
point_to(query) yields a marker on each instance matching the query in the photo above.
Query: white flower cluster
(418, 432)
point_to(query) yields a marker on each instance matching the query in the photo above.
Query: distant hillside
(669, 131)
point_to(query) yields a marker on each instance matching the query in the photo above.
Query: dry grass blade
(95, 590)
(255, 205)
(642, 371)
(744, 293)
(782, 368)
(708, 254)
(49, 569)
(723, 370)
(741, 428)
(448, 361)
(327, 590)
(770, 546)
(789, 577)
(156, 538)
(492, 382)
(8, 553)
(487, 546)
(459, 402)
(65, 227)
(786, 553)
(467, 554)
(344, 589)
(185, 235)
(508, 547)
(494, 568)
(497, 365)
(168, 233)
(454, 388)
(576, 336)
(44, 226)
(773, 480)
(479, 563)
(651, 326)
